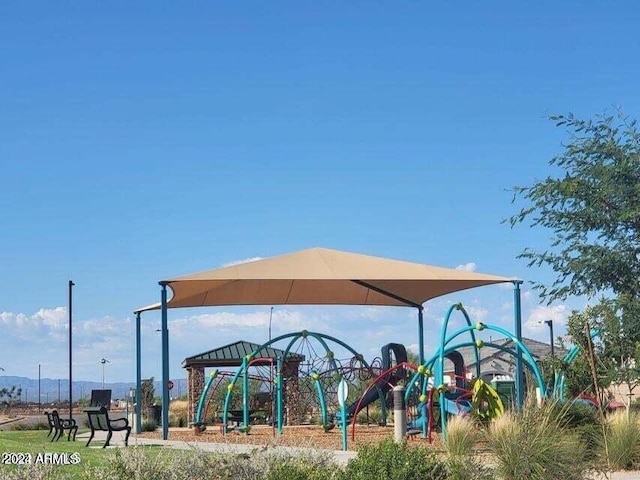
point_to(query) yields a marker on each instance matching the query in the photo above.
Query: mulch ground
(295, 436)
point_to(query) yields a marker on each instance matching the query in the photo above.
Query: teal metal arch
(519, 352)
(458, 306)
(295, 336)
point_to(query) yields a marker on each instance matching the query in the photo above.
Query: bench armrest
(67, 422)
(119, 422)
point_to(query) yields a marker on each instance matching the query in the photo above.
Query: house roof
(233, 354)
(496, 361)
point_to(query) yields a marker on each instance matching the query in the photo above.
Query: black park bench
(99, 420)
(58, 425)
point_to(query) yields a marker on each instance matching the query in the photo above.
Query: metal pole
(270, 317)
(550, 323)
(71, 284)
(165, 363)
(39, 395)
(399, 414)
(138, 376)
(517, 318)
(420, 335)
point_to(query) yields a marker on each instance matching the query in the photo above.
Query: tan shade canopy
(321, 276)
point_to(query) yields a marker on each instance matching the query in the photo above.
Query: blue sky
(140, 142)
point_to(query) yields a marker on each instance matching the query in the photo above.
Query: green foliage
(166, 464)
(485, 402)
(468, 469)
(147, 393)
(617, 345)
(22, 426)
(8, 397)
(149, 425)
(592, 209)
(371, 415)
(623, 441)
(303, 469)
(536, 445)
(395, 461)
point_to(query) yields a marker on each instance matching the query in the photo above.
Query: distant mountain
(51, 390)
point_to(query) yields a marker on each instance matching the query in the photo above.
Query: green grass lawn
(36, 444)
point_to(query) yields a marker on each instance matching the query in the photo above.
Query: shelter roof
(233, 354)
(321, 276)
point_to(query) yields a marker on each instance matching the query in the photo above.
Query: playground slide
(370, 397)
(461, 407)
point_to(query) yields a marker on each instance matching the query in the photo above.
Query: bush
(297, 468)
(394, 461)
(375, 415)
(462, 436)
(623, 441)
(34, 471)
(168, 464)
(537, 445)
(178, 413)
(149, 425)
(19, 426)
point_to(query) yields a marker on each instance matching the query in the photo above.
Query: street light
(103, 361)
(550, 324)
(270, 317)
(39, 397)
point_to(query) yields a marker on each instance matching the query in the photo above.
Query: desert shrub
(318, 467)
(575, 414)
(20, 426)
(34, 471)
(375, 415)
(168, 464)
(537, 445)
(623, 441)
(468, 469)
(462, 436)
(395, 461)
(149, 425)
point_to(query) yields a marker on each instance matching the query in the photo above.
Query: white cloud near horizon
(43, 335)
(467, 267)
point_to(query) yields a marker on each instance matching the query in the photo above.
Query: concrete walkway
(117, 440)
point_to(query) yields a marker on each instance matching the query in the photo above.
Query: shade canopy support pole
(420, 334)
(517, 319)
(165, 362)
(138, 375)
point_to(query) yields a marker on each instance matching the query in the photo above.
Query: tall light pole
(550, 324)
(71, 284)
(103, 361)
(39, 374)
(270, 317)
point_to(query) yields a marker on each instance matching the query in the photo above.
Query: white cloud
(477, 313)
(467, 267)
(537, 317)
(238, 262)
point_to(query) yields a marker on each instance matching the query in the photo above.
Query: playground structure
(316, 276)
(306, 391)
